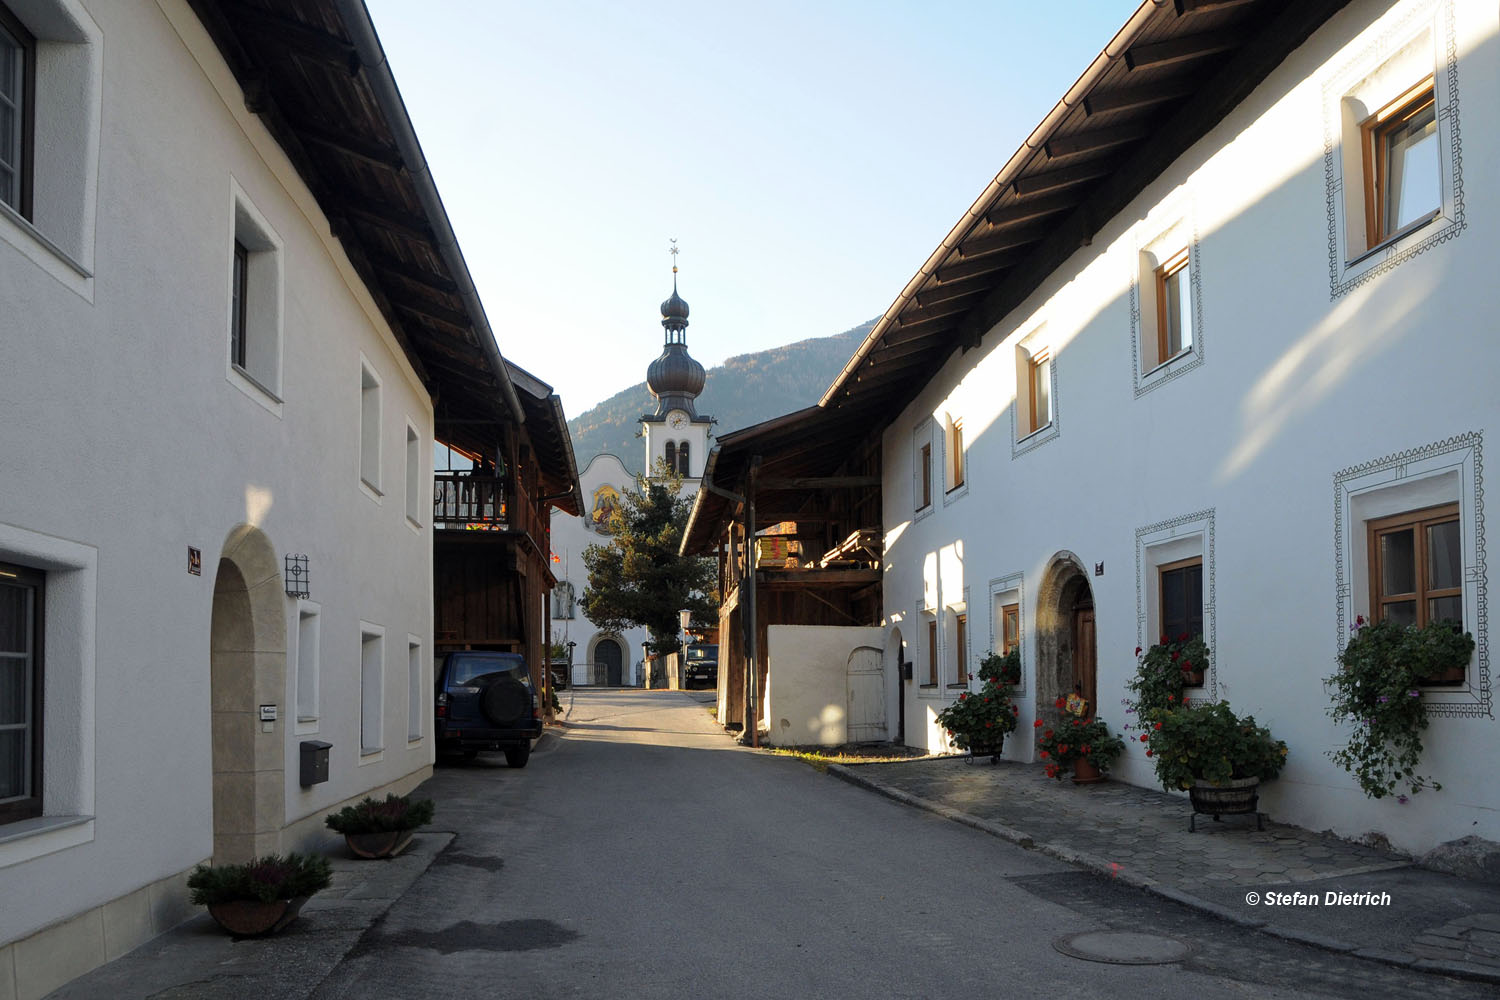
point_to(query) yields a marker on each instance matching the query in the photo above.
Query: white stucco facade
(131, 438)
(1323, 389)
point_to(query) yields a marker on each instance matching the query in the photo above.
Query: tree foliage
(638, 579)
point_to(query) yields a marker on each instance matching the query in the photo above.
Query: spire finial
(673, 252)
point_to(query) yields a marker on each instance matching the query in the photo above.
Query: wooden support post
(750, 614)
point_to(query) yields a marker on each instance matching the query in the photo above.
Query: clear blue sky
(807, 157)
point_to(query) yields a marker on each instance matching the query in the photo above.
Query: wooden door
(1084, 656)
(866, 720)
(609, 663)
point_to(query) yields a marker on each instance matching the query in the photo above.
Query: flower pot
(1240, 795)
(386, 844)
(1085, 773)
(990, 750)
(251, 917)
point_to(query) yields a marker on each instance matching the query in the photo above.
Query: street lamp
(684, 617)
(570, 645)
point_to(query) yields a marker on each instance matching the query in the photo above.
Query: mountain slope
(744, 390)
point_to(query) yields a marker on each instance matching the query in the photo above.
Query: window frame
(684, 459)
(1010, 628)
(371, 430)
(30, 805)
(1179, 262)
(1039, 371)
(239, 288)
(1375, 134)
(924, 453)
(932, 651)
(1169, 630)
(371, 691)
(957, 474)
(960, 648)
(25, 165)
(1417, 521)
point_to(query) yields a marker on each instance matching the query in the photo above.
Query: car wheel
(518, 756)
(470, 754)
(505, 702)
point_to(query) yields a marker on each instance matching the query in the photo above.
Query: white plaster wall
(1295, 386)
(807, 690)
(125, 437)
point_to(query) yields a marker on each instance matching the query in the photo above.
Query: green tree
(639, 579)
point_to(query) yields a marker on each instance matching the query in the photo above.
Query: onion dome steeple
(675, 379)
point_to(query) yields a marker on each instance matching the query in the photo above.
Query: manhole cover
(1123, 948)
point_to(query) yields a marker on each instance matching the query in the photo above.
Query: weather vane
(673, 252)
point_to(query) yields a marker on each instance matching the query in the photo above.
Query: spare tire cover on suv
(505, 701)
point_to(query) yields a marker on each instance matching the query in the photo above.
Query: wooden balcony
(462, 501)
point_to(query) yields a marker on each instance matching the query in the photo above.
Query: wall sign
(195, 561)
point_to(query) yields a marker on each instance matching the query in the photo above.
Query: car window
(703, 652)
(479, 670)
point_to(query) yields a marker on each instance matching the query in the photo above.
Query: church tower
(676, 433)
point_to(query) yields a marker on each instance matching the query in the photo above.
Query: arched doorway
(1066, 653)
(247, 668)
(609, 660)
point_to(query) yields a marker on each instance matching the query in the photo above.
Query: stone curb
(1091, 862)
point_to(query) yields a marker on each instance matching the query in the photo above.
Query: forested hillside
(744, 390)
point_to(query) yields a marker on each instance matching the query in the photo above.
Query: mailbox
(314, 762)
(906, 671)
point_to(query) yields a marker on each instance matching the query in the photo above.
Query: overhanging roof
(547, 428)
(1170, 75)
(315, 74)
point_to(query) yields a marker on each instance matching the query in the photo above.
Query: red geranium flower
(1045, 755)
(1048, 734)
(964, 696)
(1063, 748)
(1085, 749)
(1163, 641)
(1144, 737)
(1137, 651)
(1171, 697)
(1158, 725)
(1187, 664)
(1060, 702)
(1176, 655)
(1037, 724)
(1148, 753)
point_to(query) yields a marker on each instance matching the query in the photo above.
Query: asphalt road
(648, 856)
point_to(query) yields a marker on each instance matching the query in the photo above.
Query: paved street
(648, 856)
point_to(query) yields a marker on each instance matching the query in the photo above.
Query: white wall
(807, 692)
(129, 441)
(1298, 381)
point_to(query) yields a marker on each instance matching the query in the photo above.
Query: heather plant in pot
(261, 896)
(380, 829)
(978, 721)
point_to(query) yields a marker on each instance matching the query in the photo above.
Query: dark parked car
(702, 665)
(485, 701)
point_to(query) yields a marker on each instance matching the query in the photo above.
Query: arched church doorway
(247, 668)
(1067, 657)
(609, 660)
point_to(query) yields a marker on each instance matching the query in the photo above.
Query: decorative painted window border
(1462, 455)
(1010, 583)
(1345, 273)
(962, 489)
(1143, 381)
(1197, 523)
(922, 434)
(1040, 437)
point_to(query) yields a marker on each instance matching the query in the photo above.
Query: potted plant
(261, 896)
(1218, 757)
(380, 829)
(1379, 690)
(978, 721)
(1165, 670)
(1086, 745)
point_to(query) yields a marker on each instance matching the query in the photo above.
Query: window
(17, 85)
(21, 686)
(683, 467)
(1416, 570)
(371, 689)
(671, 455)
(932, 656)
(413, 475)
(414, 712)
(1181, 602)
(1039, 401)
(1010, 627)
(369, 427)
(1174, 307)
(955, 448)
(926, 475)
(255, 304)
(960, 647)
(1034, 414)
(1399, 145)
(307, 662)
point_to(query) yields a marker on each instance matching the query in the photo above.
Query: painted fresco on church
(606, 500)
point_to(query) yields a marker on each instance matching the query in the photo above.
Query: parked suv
(702, 665)
(485, 701)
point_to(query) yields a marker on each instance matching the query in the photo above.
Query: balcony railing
(464, 501)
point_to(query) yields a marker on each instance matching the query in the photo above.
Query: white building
(224, 313)
(676, 435)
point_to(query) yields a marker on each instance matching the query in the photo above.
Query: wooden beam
(885, 355)
(462, 329)
(1180, 50)
(990, 264)
(1063, 177)
(1005, 239)
(1130, 98)
(389, 218)
(289, 33)
(1094, 139)
(940, 291)
(789, 579)
(415, 303)
(1031, 209)
(817, 482)
(1187, 7)
(374, 153)
(919, 312)
(911, 329)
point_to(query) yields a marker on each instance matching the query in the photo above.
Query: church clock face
(677, 419)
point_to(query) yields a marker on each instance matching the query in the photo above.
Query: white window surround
(923, 435)
(1170, 230)
(952, 464)
(59, 238)
(920, 662)
(415, 703)
(1009, 589)
(946, 669)
(305, 642)
(1023, 438)
(369, 429)
(1449, 471)
(1412, 43)
(371, 691)
(1156, 545)
(415, 474)
(264, 307)
(69, 637)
